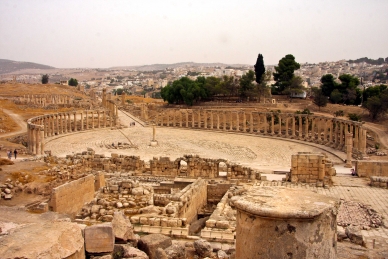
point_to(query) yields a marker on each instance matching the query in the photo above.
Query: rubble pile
(353, 213)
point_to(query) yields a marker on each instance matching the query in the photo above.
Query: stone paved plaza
(257, 152)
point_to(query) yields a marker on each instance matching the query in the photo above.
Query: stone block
(99, 238)
(150, 243)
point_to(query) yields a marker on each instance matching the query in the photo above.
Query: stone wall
(70, 197)
(372, 168)
(164, 167)
(215, 191)
(311, 168)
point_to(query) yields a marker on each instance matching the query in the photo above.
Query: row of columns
(317, 129)
(46, 99)
(44, 126)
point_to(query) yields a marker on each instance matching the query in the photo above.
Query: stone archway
(182, 168)
(222, 169)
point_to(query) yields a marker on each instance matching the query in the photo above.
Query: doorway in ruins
(222, 169)
(182, 167)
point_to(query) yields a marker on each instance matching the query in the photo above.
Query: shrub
(354, 117)
(339, 113)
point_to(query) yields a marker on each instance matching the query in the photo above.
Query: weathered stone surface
(99, 238)
(127, 251)
(150, 243)
(298, 222)
(203, 248)
(222, 255)
(341, 235)
(197, 225)
(160, 254)
(48, 240)
(122, 227)
(355, 236)
(175, 251)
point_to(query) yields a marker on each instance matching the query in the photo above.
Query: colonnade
(44, 126)
(317, 129)
(46, 99)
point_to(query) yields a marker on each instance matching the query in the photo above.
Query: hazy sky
(83, 33)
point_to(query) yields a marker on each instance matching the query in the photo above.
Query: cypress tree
(259, 68)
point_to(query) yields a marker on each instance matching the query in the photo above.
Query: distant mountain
(175, 65)
(378, 61)
(9, 66)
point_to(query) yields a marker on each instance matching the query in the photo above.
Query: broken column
(279, 222)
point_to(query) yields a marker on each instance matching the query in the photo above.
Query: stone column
(92, 119)
(104, 112)
(57, 123)
(69, 119)
(356, 137)
(224, 120)
(287, 126)
(187, 118)
(41, 132)
(251, 122)
(293, 126)
(362, 141)
(205, 119)
(75, 121)
(265, 122)
(341, 133)
(244, 122)
(211, 120)
(87, 120)
(349, 139)
(180, 119)
(280, 125)
(237, 121)
(82, 120)
(168, 119)
(218, 120)
(231, 121)
(319, 130)
(272, 125)
(38, 141)
(192, 119)
(313, 129)
(306, 131)
(98, 120)
(336, 132)
(34, 140)
(330, 131)
(173, 119)
(279, 222)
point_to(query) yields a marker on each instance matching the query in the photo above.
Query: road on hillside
(19, 121)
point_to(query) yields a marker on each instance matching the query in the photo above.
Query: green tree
(328, 84)
(285, 72)
(336, 96)
(45, 79)
(372, 91)
(73, 82)
(320, 99)
(295, 86)
(246, 84)
(259, 69)
(377, 105)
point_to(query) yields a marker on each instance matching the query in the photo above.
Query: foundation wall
(215, 192)
(372, 168)
(70, 197)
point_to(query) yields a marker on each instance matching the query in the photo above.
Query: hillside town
(149, 80)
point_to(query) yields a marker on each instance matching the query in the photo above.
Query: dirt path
(19, 120)
(381, 133)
